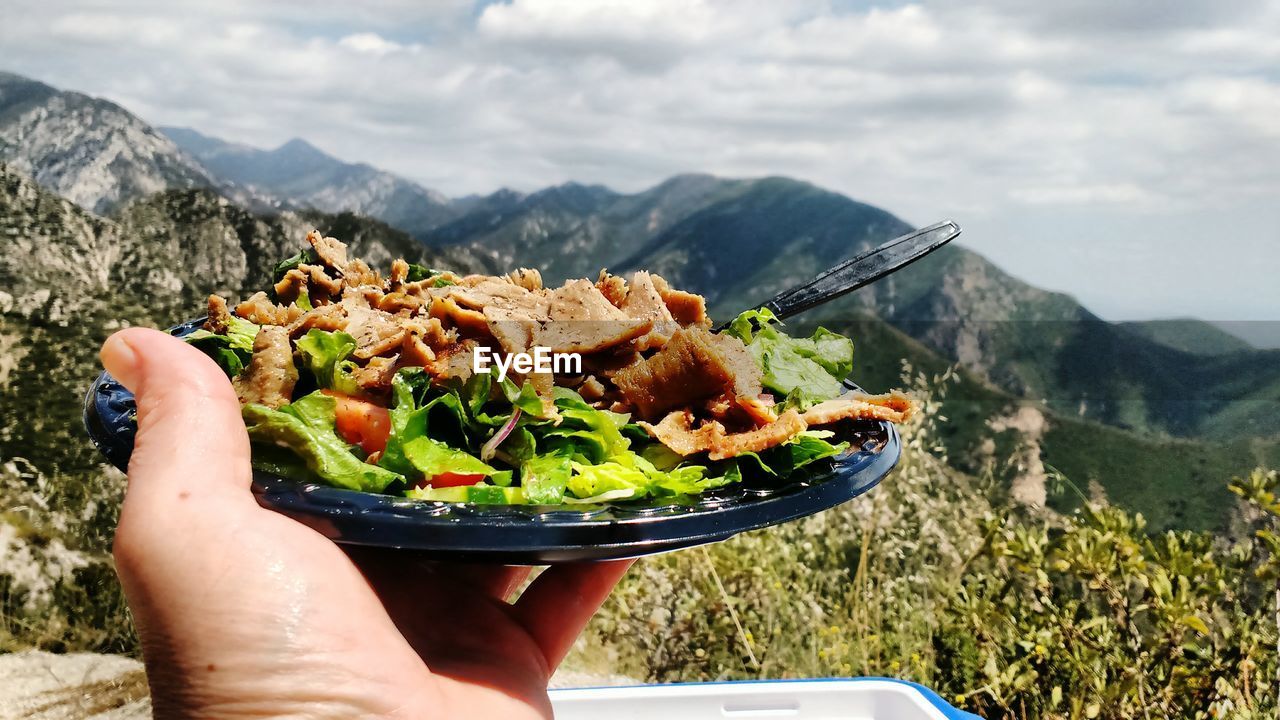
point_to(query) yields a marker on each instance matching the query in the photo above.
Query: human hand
(243, 612)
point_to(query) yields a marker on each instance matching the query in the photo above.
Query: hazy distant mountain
(87, 150)
(1194, 336)
(573, 230)
(298, 174)
(1258, 333)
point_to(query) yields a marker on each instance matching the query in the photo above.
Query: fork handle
(863, 269)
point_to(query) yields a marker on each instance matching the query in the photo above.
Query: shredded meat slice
(425, 289)
(382, 345)
(758, 408)
(612, 287)
(582, 320)
(325, 317)
(374, 331)
(358, 272)
(591, 389)
(488, 291)
(453, 361)
(609, 363)
(895, 407)
(311, 278)
(321, 286)
(397, 301)
(399, 272)
(688, 309)
(677, 433)
(331, 251)
(643, 302)
(527, 278)
(512, 312)
(784, 428)
(271, 375)
(694, 366)
(742, 410)
(291, 285)
(377, 374)
(259, 309)
(468, 321)
(219, 316)
(414, 352)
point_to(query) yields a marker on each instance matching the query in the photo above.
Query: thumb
(191, 442)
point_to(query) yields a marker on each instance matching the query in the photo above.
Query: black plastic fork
(861, 270)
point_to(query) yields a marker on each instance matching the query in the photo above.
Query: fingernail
(120, 360)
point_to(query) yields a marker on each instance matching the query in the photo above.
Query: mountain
(1046, 347)
(574, 230)
(989, 432)
(88, 150)
(298, 174)
(1189, 335)
(1257, 333)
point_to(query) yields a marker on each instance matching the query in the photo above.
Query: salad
(495, 389)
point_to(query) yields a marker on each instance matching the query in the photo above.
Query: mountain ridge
(300, 175)
(88, 150)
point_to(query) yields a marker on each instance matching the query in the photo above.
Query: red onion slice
(489, 448)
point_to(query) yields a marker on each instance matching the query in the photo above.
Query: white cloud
(1125, 193)
(984, 110)
(372, 44)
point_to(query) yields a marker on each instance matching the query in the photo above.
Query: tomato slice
(452, 479)
(362, 423)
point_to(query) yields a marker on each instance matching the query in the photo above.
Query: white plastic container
(839, 699)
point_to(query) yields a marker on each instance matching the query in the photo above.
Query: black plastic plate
(537, 535)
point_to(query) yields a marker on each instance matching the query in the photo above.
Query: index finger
(560, 602)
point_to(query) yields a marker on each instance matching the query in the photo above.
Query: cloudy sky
(1127, 152)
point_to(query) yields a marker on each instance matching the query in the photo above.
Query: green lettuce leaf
(692, 480)
(545, 479)
(805, 448)
(811, 368)
(306, 427)
(444, 417)
(432, 457)
(523, 397)
(631, 477)
(589, 482)
(303, 257)
(422, 272)
(580, 420)
(811, 446)
(475, 494)
(325, 355)
(231, 351)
